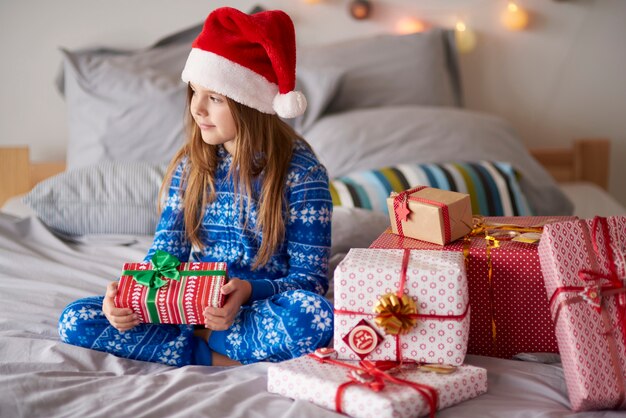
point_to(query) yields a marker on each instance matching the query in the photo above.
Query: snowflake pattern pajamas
(287, 314)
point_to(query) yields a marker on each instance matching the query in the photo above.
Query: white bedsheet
(40, 376)
(590, 200)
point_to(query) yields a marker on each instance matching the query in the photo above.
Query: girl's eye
(216, 99)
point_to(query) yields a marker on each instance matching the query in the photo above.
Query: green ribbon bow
(164, 264)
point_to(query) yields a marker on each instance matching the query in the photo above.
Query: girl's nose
(200, 110)
(200, 107)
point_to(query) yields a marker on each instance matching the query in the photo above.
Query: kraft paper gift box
(510, 313)
(584, 271)
(167, 291)
(430, 214)
(429, 322)
(354, 389)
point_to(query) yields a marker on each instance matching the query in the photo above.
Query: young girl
(246, 190)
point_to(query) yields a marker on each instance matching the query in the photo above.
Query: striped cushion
(111, 197)
(492, 186)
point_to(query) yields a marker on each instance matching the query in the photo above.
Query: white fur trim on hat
(226, 77)
(290, 104)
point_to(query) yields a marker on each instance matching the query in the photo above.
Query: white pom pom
(289, 105)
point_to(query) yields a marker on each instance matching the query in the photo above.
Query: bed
(66, 228)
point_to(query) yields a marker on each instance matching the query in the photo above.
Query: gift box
(360, 389)
(584, 272)
(166, 291)
(430, 214)
(401, 304)
(510, 313)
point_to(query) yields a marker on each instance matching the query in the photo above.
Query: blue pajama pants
(282, 327)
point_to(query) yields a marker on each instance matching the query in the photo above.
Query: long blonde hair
(264, 145)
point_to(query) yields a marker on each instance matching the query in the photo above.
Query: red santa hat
(248, 58)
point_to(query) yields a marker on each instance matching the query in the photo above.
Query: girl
(244, 189)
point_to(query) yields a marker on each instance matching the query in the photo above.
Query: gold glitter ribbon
(481, 228)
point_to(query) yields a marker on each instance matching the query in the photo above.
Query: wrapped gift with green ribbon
(166, 291)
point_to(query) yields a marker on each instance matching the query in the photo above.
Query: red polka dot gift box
(166, 291)
(401, 305)
(510, 312)
(584, 271)
(366, 389)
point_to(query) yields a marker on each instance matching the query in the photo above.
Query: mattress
(40, 376)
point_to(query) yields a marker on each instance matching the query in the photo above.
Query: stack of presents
(441, 283)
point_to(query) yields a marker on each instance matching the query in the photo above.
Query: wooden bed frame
(585, 160)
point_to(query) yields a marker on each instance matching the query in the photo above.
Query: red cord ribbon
(370, 375)
(401, 200)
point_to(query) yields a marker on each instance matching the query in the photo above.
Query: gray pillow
(106, 198)
(319, 87)
(368, 139)
(129, 105)
(124, 106)
(387, 70)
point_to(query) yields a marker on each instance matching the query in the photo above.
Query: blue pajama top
(300, 262)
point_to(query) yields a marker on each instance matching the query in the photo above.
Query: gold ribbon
(395, 315)
(481, 228)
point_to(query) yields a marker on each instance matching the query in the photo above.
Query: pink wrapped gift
(365, 390)
(401, 305)
(584, 271)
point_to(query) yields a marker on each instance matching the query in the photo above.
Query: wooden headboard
(585, 160)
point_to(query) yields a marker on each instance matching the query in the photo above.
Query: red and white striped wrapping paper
(177, 302)
(591, 339)
(307, 379)
(435, 280)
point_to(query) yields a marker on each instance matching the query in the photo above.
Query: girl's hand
(122, 319)
(238, 292)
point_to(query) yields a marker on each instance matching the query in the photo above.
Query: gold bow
(395, 315)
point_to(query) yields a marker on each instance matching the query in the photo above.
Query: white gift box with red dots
(437, 283)
(307, 379)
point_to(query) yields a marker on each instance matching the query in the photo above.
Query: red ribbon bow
(372, 376)
(601, 284)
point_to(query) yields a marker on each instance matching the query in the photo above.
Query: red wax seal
(363, 339)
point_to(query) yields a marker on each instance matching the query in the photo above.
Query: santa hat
(248, 58)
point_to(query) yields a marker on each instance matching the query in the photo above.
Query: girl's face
(212, 115)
